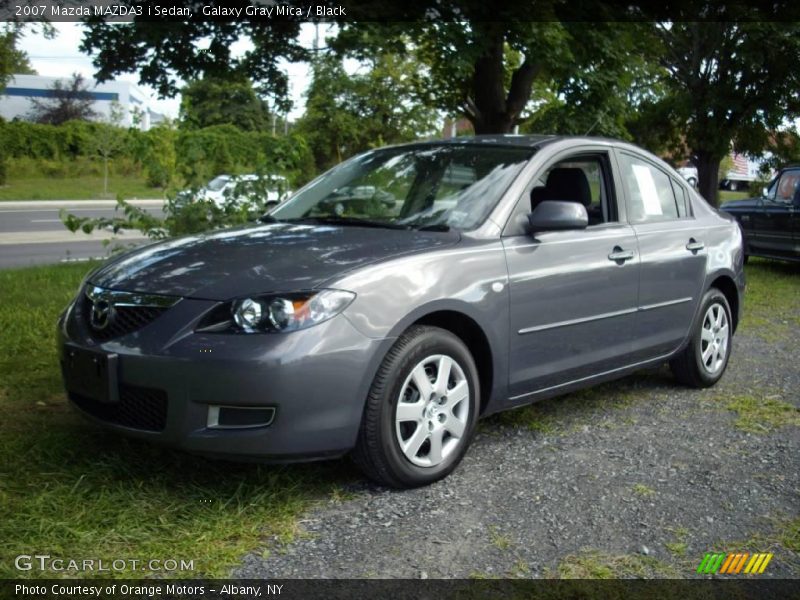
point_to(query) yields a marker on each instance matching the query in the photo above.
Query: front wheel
(421, 410)
(703, 361)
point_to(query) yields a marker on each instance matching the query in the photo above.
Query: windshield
(218, 183)
(413, 187)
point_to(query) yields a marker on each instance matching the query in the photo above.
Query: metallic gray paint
(558, 311)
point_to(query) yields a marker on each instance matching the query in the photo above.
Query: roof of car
(535, 141)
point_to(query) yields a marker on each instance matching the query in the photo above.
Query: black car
(771, 222)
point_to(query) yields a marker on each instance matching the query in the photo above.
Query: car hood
(265, 258)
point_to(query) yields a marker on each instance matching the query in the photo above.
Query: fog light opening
(239, 417)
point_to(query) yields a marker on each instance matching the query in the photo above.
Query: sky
(60, 57)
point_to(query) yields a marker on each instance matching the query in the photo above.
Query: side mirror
(558, 215)
(764, 192)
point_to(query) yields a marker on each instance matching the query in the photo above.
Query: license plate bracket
(90, 373)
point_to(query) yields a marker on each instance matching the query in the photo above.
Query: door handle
(620, 255)
(694, 246)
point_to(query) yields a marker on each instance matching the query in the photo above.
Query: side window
(681, 199)
(584, 179)
(787, 186)
(650, 192)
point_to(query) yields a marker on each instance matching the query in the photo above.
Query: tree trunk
(105, 176)
(489, 107)
(708, 175)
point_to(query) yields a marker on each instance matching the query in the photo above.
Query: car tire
(702, 363)
(419, 419)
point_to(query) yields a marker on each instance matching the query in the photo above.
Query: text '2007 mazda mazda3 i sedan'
(504, 270)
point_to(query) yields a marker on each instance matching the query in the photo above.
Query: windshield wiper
(354, 221)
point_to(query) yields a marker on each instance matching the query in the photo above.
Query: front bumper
(316, 380)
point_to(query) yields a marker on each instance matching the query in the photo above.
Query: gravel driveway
(639, 477)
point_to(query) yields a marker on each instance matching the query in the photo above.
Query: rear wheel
(421, 410)
(703, 361)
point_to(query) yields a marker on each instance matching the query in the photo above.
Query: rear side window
(650, 193)
(681, 199)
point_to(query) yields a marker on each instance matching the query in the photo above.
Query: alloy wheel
(714, 338)
(432, 411)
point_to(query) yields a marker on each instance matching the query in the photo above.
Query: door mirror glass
(558, 215)
(764, 192)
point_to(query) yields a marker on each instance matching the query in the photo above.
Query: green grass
(725, 195)
(75, 188)
(759, 413)
(72, 491)
(781, 533)
(642, 490)
(498, 540)
(592, 564)
(772, 301)
(676, 548)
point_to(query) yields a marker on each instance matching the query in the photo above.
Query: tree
(196, 49)
(482, 70)
(213, 101)
(346, 114)
(728, 84)
(70, 101)
(108, 139)
(609, 77)
(12, 60)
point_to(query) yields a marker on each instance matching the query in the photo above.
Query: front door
(573, 293)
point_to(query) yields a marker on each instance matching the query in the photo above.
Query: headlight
(288, 312)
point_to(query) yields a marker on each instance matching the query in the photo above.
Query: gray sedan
(508, 269)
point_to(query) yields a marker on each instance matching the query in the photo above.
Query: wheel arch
(471, 333)
(726, 285)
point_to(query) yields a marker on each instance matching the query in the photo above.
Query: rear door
(672, 254)
(573, 293)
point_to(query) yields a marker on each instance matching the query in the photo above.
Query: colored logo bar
(734, 563)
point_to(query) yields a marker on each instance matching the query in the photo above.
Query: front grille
(127, 311)
(138, 408)
(127, 319)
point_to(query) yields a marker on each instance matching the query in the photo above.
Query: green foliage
(184, 213)
(346, 114)
(158, 155)
(717, 90)
(165, 155)
(216, 101)
(600, 85)
(206, 153)
(195, 49)
(55, 142)
(12, 60)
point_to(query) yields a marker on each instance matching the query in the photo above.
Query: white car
(689, 173)
(242, 187)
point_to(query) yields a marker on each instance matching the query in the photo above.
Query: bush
(161, 154)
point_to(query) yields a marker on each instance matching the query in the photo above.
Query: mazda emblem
(102, 313)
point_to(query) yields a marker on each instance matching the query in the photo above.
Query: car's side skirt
(569, 386)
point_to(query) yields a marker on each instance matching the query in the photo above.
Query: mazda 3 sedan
(506, 270)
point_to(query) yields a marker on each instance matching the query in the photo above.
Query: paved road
(31, 232)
